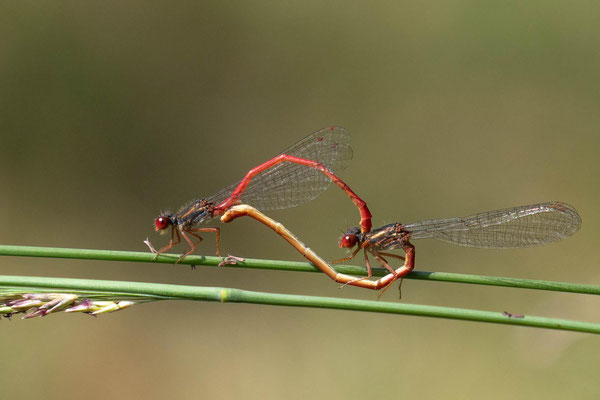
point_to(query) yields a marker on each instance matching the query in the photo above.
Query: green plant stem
(226, 295)
(133, 256)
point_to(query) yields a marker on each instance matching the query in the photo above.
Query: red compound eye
(348, 241)
(161, 223)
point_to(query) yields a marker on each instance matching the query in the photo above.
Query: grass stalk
(155, 291)
(133, 256)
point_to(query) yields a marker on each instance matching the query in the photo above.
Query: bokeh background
(112, 111)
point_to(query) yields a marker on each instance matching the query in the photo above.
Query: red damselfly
(507, 228)
(297, 175)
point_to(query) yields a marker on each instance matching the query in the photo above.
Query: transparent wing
(287, 184)
(512, 227)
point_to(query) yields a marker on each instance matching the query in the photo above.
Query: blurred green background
(112, 111)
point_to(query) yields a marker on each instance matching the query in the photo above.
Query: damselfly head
(162, 222)
(350, 238)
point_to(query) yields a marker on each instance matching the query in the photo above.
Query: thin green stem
(133, 256)
(227, 295)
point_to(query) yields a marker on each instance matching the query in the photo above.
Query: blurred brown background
(111, 111)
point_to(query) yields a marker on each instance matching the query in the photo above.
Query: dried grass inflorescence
(42, 304)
